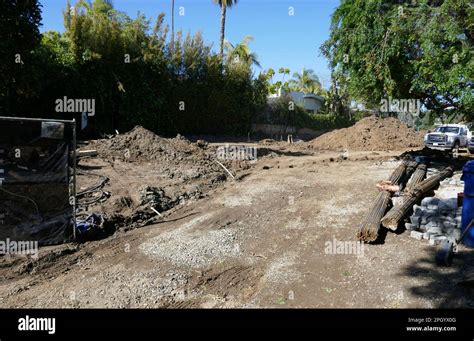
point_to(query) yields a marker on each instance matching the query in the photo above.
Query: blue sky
(280, 39)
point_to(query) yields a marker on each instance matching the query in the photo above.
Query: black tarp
(35, 180)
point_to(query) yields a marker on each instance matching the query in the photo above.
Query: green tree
(306, 81)
(241, 53)
(19, 36)
(284, 72)
(270, 73)
(223, 5)
(267, 77)
(422, 50)
(172, 25)
(133, 74)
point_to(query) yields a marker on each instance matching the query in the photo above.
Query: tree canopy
(241, 53)
(19, 36)
(419, 49)
(306, 81)
(131, 68)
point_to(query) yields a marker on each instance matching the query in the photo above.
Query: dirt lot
(259, 241)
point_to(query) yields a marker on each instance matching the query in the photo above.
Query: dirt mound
(147, 173)
(140, 144)
(371, 133)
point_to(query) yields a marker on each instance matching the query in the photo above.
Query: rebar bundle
(370, 227)
(411, 167)
(393, 218)
(418, 176)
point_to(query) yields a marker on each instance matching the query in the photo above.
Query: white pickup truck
(450, 137)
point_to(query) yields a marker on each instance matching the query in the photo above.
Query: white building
(310, 102)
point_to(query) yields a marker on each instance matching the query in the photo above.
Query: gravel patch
(196, 249)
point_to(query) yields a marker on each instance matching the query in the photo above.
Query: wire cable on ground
(22, 196)
(92, 189)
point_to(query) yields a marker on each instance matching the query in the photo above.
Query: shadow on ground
(447, 287)
(262, 151)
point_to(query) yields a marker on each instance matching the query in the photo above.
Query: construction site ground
(258, 241)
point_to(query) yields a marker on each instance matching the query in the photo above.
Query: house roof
(314, 96)
(293, 93)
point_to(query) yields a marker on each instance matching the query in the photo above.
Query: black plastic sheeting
(35, 181)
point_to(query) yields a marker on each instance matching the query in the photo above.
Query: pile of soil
(371, 133)
(140, 144)
(149, 171)
(176, 158)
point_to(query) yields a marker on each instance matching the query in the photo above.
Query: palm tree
(172, 26)
(306, 81)
(224, 4)
(241, 53)
(284, 72)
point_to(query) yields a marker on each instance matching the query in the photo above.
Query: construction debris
(156, 198)
(85, 153)
(418, 176)
(393, 218)
(439, 218)
(228, 172)
(164, 173)
(370, 227)
(436, 217)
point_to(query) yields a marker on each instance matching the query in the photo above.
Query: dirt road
(262, 241)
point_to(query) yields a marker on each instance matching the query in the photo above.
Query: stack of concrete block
(434, 169)
(439, 217)
(449, 188)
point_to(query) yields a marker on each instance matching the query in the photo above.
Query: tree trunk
(223, 13)
(172, 26)
(335, 97)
